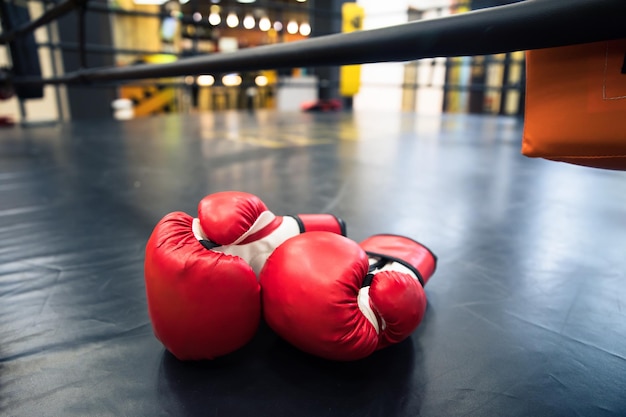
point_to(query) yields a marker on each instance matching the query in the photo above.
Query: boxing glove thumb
(399, 268)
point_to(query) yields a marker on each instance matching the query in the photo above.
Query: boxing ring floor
(527, 309)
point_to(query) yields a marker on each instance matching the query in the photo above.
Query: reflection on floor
(527, 310)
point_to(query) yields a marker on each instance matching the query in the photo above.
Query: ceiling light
(232, 20)
(231, 80)
(305, 29)
(261, 80)
(248, 22)
(265, 24)
(215, 19)
(292, 27)
(206, 80)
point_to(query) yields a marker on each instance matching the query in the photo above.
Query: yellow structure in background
(350, 75)
(456, 98)
(135, 32)
(152, 99)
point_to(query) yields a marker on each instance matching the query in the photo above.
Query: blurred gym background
(127, 32)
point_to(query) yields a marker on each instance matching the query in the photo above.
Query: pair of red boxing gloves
(210, 279)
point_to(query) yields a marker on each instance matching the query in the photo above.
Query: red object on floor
(6, 121)
(321, 105)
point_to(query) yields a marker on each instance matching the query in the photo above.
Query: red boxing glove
(202, 289)
(202, 303)
(240, 224)
(326, 295)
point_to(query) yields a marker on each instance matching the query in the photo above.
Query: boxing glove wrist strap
(385, 260)
(412, 240)
(325, 222)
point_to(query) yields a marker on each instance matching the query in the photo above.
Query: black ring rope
(50, 15)
(531, 24)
